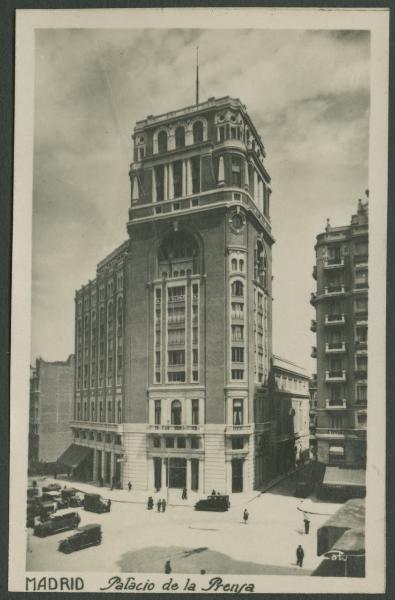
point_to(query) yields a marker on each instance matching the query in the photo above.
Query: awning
(351, 542)
(74, 455)
(338, 477)
(338, 450)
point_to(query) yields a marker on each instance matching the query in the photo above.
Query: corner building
(188, 384)
(341, 326)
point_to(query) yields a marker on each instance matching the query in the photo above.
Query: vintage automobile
(57, 523)
(95, 503)
(215, 503)
(56, 498)
(72, 497)
(89, 535)
(36, 507)
(51, 487)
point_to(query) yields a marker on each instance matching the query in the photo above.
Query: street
(136, 540)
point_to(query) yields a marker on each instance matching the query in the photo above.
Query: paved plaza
(136, 540)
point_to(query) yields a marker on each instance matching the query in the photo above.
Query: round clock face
(237, 221)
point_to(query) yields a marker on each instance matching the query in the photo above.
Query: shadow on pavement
(193, 560)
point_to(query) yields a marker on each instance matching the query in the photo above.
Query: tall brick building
(174, 336)
(341, 325)
(51, 408)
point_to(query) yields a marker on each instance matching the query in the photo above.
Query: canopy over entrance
(74, 455)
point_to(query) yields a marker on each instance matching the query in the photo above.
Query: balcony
(361, 259)
(313, 352)
(335, 376)
(333, 263)
(335, 404)
(313, 325)
(335, 319)
(361, 286)
(313, 298)
(334, 290)
(174, 299)
(361, 373)
(326, 432)
(237, 429)
(171, 428)
(361, 317)
(314, 273)
(335, 347)
(361, 346)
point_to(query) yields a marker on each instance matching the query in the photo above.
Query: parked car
(304, 489)
(51, 487)
(95, 503)
(216, 503)
(72, 497)
(57, 523)
(37, 507)
(56, 498)
(89, 535)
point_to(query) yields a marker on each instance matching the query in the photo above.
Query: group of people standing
(160, 505)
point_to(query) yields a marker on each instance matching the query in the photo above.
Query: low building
(51, 409)
(292, 402)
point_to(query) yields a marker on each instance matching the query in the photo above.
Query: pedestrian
(306, 524)
(167, 567)
(163, 505)
(202, 571)
(184, 494)
(213, 493)
(130, 486)
(159, 505)
(299, 556)
(245, 516)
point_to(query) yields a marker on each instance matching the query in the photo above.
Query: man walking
(245, 516)
(299, 556)
(167, 567)
(163, 505)
(159, 505)
(130, 486)
(306, 524)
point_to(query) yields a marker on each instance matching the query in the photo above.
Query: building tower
(341, 304)
(176, 366)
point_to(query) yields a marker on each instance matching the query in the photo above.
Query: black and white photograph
(198, 303)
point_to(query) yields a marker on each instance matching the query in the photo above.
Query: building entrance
(157, 473)
(107, 467)
(237, 475)
(177, 472)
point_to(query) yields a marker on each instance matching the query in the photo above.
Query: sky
(307, 93)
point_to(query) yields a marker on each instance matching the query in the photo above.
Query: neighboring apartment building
(51, 409)
(174, 336)
(292, 402)
(341, 303)
(313, 415)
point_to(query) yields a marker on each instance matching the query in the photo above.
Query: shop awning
(338, 477)
(349, 518)
(351, 542)
(74, 455)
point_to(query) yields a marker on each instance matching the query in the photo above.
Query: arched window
(260, 264)
(241, 265)
(162, 141)
(237, 288)
(180, 136)
(234, 264)
(176, 412)
(197, 132)
(175, 274)
(178, 251)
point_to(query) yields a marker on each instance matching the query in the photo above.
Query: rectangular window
(177, 178)
(176, 376)
(195, 412)
(195, 336)
(362, 394)
(156, 442)
(176, 294)
(237, 443)
(176, 337)
(195, 443)
(176, 358)
(181, 442)
(362, 363)
(238, 411)
(237, 374)
(160, 182)
(236, 171)
(169, 442)
(362, 419)
(195, 355)
(237, 333)
(237, 354)
(195, 167)
(237, 310)
(195, 376)
(157, 412)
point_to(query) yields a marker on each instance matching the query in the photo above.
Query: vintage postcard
(198, 301)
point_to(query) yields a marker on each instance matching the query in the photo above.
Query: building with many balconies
(173, 337)
(341, 326)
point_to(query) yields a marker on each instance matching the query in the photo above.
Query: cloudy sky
(306, 91)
